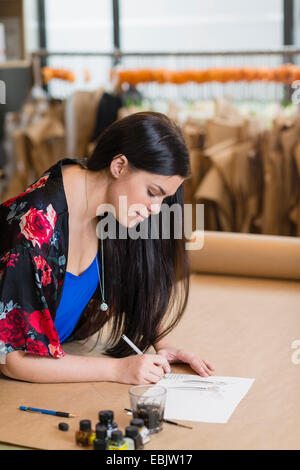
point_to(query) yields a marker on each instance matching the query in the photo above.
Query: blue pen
(47, 412)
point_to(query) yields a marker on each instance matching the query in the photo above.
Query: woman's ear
(118, 165)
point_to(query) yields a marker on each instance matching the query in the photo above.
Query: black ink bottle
(85, 436)
(132, 434)
(117, 441)
(143, 431)
(106, 418)
(100, 443)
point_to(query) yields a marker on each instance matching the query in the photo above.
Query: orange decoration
(286, 74)
(49, 73)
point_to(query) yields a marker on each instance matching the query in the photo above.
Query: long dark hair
(146, 280)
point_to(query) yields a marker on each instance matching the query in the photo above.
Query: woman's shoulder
(31, 217)
(20, 198)
(38, 217)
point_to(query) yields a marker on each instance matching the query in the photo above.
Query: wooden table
(244, 326)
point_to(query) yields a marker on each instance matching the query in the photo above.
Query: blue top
(77, 291)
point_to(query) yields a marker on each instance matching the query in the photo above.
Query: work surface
(244, 327)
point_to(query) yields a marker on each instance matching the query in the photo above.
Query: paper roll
(242, 254)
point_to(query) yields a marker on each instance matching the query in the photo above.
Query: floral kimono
(33, 257)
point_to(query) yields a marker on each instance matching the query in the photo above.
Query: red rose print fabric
(33, 245)
(33, 256)
(38, 184)
(25, 321)
(38, 226)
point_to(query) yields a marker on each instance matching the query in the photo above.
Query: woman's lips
(140, 217)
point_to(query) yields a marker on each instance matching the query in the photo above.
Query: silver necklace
(103, 306)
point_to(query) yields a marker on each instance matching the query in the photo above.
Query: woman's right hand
(142, 369)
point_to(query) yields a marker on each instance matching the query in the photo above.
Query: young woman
(60, 281)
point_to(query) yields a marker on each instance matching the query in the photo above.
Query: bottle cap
(98, 444)
(106, 416)
(132, 431)
(85, 425)
(117, 435)
(137, 422)
(63, 426)
(100, 431)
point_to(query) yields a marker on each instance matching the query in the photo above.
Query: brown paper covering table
(244, 326)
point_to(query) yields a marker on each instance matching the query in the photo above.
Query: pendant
(104, 306)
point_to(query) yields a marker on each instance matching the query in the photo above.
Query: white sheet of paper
(207, 399)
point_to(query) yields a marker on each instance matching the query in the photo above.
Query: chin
(133, 222)
(127, 221)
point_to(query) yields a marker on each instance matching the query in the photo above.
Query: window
(199, 25)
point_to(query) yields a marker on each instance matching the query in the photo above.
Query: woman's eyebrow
(161, 189)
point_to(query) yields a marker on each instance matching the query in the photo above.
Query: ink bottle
(85, 436)
(133, 438)
(106, 418)
(117, 441)
(100, 443)
(143, 431)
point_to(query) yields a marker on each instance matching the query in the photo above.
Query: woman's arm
(70, 368)
(136, 369)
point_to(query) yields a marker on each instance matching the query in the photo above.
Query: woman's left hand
(201, 366)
